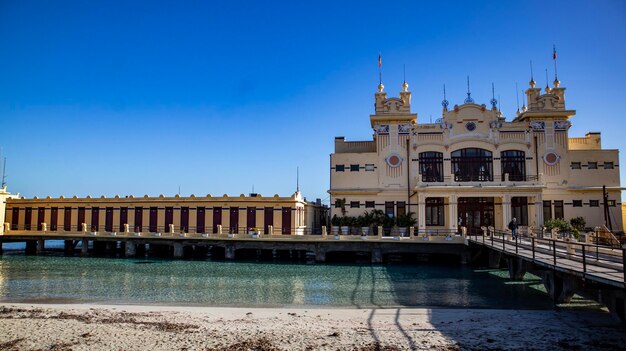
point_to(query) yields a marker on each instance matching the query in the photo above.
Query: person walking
(513, 227)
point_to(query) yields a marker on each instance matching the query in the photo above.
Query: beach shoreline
(30, 326)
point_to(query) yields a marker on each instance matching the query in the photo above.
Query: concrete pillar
(41, 246)
(560, 290)
(178, 250)
(453, 213)
(270, 230)
(506, 210)
(539, 211)
(130, 249)
(229, 252)
(494, 259)
(172, 228)
(84, 247)
(68, 247)
(31, 247)
(517, 268)
(377, 255)
(126, 228)
(324, 233)
(320, 254)
(219, 229)
(421, 212)
(83, 227)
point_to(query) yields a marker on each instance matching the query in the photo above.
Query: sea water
(54, 278)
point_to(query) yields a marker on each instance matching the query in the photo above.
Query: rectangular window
(547, 210)
(594, 203)
(337, 203)
(577, 203)
(611, 203)
(108, 219)
(339, 168)
(234, 219)
(389, 212)
(268, 219)
(154, 213)
(28, 217)
(80, 219)
(354, 204)
(434, 211)
(369, 204)
(369, 168)
(354, 168)
(592, 165)
(608, 165)
(169, 218)
(251, 218)
(401, 208)
(519, 208)
(67, 219)
(575, 165)
(123, 218)
(184, 219)
(15, 219)
(95, 219)
(41, 215)
(558, 209)
(138, 219)
(54, 217)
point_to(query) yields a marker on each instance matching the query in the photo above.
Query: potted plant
(346, 222)
(364, 222)
(405, 221)
(335, 224)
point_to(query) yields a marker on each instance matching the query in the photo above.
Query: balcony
(505, 180)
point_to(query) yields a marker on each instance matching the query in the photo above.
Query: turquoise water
(215, 283)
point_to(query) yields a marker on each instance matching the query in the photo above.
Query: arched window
(472, 165)
(514, 163)
(431, 166)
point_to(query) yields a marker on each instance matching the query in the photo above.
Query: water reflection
(41, 278)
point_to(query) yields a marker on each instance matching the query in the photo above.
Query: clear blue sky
(105, 98)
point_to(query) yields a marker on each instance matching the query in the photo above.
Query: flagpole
(554, 57)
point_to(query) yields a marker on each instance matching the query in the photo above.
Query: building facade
(242, 214)
(473, 168)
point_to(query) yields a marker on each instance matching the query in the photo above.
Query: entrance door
(169, 218)
(251, 218)
(123, 217)
(476, 212)
(108, 219)
(184, 219)
(268, 219)
(286, 220)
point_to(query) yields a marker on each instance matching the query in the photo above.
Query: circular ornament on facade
(394, 160)
(471, 126)
(550, 158)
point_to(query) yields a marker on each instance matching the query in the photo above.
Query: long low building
(291, 215)
(474, 168)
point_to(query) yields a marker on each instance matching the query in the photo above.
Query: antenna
(554, 58)
(517, 96)
(4, 168)
(532, 79)
(469, 99)
(499, 105)
(494, 102)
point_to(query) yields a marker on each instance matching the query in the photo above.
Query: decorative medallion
(537, 125)
(394, 160)
(550, 158)
(471, 126)
(404, 128)
(381, 129)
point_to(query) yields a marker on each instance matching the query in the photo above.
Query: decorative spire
(517, 98)
(469, 99)
(405, 86)
(532, 82)
(494, 102)
(556, 78)
(547, 85)
(524, 100)
(380, 73)
(444, 102)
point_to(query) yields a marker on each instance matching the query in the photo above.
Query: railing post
(532, 243)
(554, 252)
(584, 261)
(503, 242)
(515, 244)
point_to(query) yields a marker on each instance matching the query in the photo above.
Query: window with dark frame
(369, 168)
(558, 209)
(547, 210)
(434, 211)
(611, 203)
(370, 204)
(609, 165)
(354, 168)
(389, 210)
(337, 203)
(339, 168)
(401, 210)
(472, 165)
(575, 165)
(514, 163)
(592, 165)
(431, 166)
(577, 203)
(354, 204)
(594, 203)
(519, 209)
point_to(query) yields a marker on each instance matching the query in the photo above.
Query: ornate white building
(474, 168)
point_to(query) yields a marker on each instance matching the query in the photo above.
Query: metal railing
(596, 261)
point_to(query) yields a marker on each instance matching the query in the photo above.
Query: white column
(539, 211)
(453, 215)
(506, 210)
(421, 212)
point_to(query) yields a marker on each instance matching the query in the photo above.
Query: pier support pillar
(560, 290)
(140, 250)
(98, 247)
(84, 249)
(31, 247)
(517, 268)
(68, 247)
(130, 249)
(41, 246)
(377, 256)
(178, 250)
(111, 247)
(229, 252)
(320, 255)
(494, 259)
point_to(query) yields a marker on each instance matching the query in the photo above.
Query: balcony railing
(505, 180)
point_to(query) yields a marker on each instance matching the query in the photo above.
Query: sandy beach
(131, 327)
